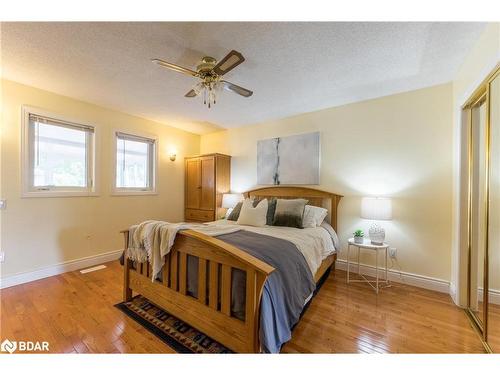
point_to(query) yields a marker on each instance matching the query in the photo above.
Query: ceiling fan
(210, 72)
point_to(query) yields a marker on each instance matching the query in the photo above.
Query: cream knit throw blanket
(152, 240)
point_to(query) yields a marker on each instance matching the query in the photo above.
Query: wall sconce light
(172, 156)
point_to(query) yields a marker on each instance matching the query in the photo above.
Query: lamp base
(377, 234)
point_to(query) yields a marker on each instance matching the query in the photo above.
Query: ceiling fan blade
(237, 89)
(174, 67)
(191, 94)
(231, 61)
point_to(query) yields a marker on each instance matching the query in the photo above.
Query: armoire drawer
(199, 215)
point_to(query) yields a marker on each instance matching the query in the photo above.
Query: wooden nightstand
(367, 245)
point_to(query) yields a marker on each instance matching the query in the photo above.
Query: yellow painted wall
(398, 146)
(41, 232)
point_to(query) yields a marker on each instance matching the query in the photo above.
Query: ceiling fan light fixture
(209, 90)
(210, 72)
(198, 88)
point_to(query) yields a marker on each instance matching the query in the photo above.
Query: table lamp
(376, 209)
(229, 200)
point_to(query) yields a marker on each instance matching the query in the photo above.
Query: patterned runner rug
(174, 332)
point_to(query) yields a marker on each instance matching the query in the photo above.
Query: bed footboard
(210, 310)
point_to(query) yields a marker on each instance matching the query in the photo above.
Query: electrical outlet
(3, 204)
(2, 256)
(393, 252)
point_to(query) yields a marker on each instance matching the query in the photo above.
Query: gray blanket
(285, 290)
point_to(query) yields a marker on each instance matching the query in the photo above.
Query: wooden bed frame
(209, 312)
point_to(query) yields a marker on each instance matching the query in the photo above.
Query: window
(135, 164)
(59, 156)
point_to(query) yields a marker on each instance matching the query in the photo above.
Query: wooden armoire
(207, 178)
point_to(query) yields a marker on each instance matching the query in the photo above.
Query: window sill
(58, 194)
(133, 192)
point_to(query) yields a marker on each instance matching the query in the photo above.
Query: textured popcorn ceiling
(291, 67)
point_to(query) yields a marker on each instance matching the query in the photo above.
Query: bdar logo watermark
(24, 346)
(8, 346)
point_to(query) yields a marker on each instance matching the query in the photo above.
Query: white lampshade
(231, 200)
(376, 208)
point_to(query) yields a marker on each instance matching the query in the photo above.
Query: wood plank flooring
(494, 327)
(74, 312)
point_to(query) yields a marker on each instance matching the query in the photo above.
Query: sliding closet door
(478, 185)
(493, 325)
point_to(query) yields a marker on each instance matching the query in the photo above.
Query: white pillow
(249, 215)
(333, 234)
(313, 216)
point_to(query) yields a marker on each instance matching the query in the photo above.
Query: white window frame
(153, 190)
(28, 189)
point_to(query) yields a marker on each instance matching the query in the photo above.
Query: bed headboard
(319, 198)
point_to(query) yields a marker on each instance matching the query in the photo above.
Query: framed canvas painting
(292, 160)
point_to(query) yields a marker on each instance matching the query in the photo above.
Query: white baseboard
(57, 269)
(400, 277)
(493, 296)
(454, 295)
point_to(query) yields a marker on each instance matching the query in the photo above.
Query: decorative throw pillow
(235, 213)
(289, 212)
(313, 216)
(271, 207)
(254, 216)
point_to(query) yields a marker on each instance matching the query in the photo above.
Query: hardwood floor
(74, 312)
(494, 327)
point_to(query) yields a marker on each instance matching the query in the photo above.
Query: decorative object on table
(230, 200)
(292, 160)
(358, 236)
(376, 209)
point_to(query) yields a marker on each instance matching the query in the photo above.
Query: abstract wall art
(292, 160)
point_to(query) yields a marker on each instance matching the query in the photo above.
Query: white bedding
(314, 243)
(153, 239)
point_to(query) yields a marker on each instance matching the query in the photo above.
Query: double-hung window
(135, 164)
(58, 156)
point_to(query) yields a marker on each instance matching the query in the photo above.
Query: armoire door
(193, 183)
(207, 171)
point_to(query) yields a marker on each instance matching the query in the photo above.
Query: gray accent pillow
(289, 212)
(235, 213)
(271, 207)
